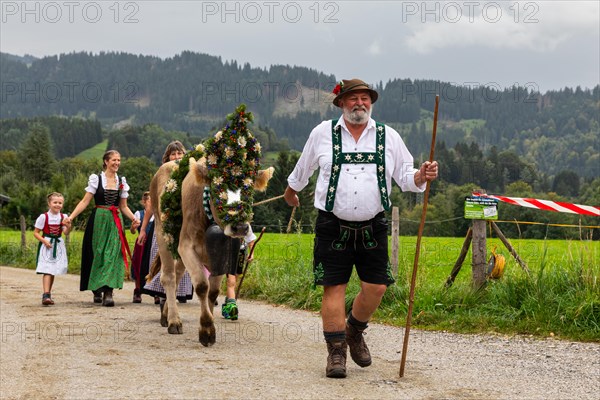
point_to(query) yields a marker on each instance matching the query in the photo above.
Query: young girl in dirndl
(139, 269)
(52, 253)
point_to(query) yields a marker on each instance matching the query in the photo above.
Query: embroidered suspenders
(339, 158)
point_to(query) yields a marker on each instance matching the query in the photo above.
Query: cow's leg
(168, 278)
(214, 283)
(164, 322)
(206, 333)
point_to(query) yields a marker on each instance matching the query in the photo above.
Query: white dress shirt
(357, 197)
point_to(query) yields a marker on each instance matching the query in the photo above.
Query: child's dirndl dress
(53, 260)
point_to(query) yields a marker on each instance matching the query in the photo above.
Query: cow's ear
(198, 168)
(262, 179)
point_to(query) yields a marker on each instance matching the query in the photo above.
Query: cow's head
(237, 202)
(228, 164)
(232, 159)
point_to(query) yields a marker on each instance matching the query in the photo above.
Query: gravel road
(80, 350)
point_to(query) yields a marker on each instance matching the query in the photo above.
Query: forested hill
(191, 92)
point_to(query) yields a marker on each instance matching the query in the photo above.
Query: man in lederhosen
(357, 158)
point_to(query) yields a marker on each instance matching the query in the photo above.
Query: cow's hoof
(207, 336)
(175, 329)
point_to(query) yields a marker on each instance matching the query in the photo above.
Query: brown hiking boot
(358, 348)
(336, 360)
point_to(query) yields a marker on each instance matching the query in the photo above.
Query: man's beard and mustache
(358, 114)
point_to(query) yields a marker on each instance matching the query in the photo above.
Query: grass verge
(560, 298)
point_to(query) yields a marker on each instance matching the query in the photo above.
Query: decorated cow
(210, 188)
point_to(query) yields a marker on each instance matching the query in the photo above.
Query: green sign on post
(481, 208)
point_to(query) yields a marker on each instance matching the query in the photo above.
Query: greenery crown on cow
(232, 159)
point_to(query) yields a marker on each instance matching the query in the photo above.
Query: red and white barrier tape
(547, 205)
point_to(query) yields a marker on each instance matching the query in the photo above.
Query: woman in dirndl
(185, 290)
(105, 250)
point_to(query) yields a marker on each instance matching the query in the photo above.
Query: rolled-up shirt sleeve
(306, 165)
(404, 170)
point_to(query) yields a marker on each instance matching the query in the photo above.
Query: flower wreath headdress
(232, 158)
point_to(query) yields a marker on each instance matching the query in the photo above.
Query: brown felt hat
(351, 85)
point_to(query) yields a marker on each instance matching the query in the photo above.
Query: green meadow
(560, 297)
(94, 153)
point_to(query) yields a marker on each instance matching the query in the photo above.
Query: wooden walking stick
(289, 227)
(413, 280)
(237, 291)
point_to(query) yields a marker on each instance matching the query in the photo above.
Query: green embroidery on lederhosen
(389, 273)
(319, 274)
(338, 158)
(340, 243)
(369, 241)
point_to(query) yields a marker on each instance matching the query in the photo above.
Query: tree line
(73, 135)
(32, 170)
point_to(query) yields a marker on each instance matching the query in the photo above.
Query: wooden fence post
(23, 233)
(395, 239)
(479, 252)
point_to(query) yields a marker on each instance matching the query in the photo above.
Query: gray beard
(357, 117)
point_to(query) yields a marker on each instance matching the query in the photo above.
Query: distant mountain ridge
(25, 59)
(192, 92)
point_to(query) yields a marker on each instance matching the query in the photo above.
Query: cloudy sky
(539, 44)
